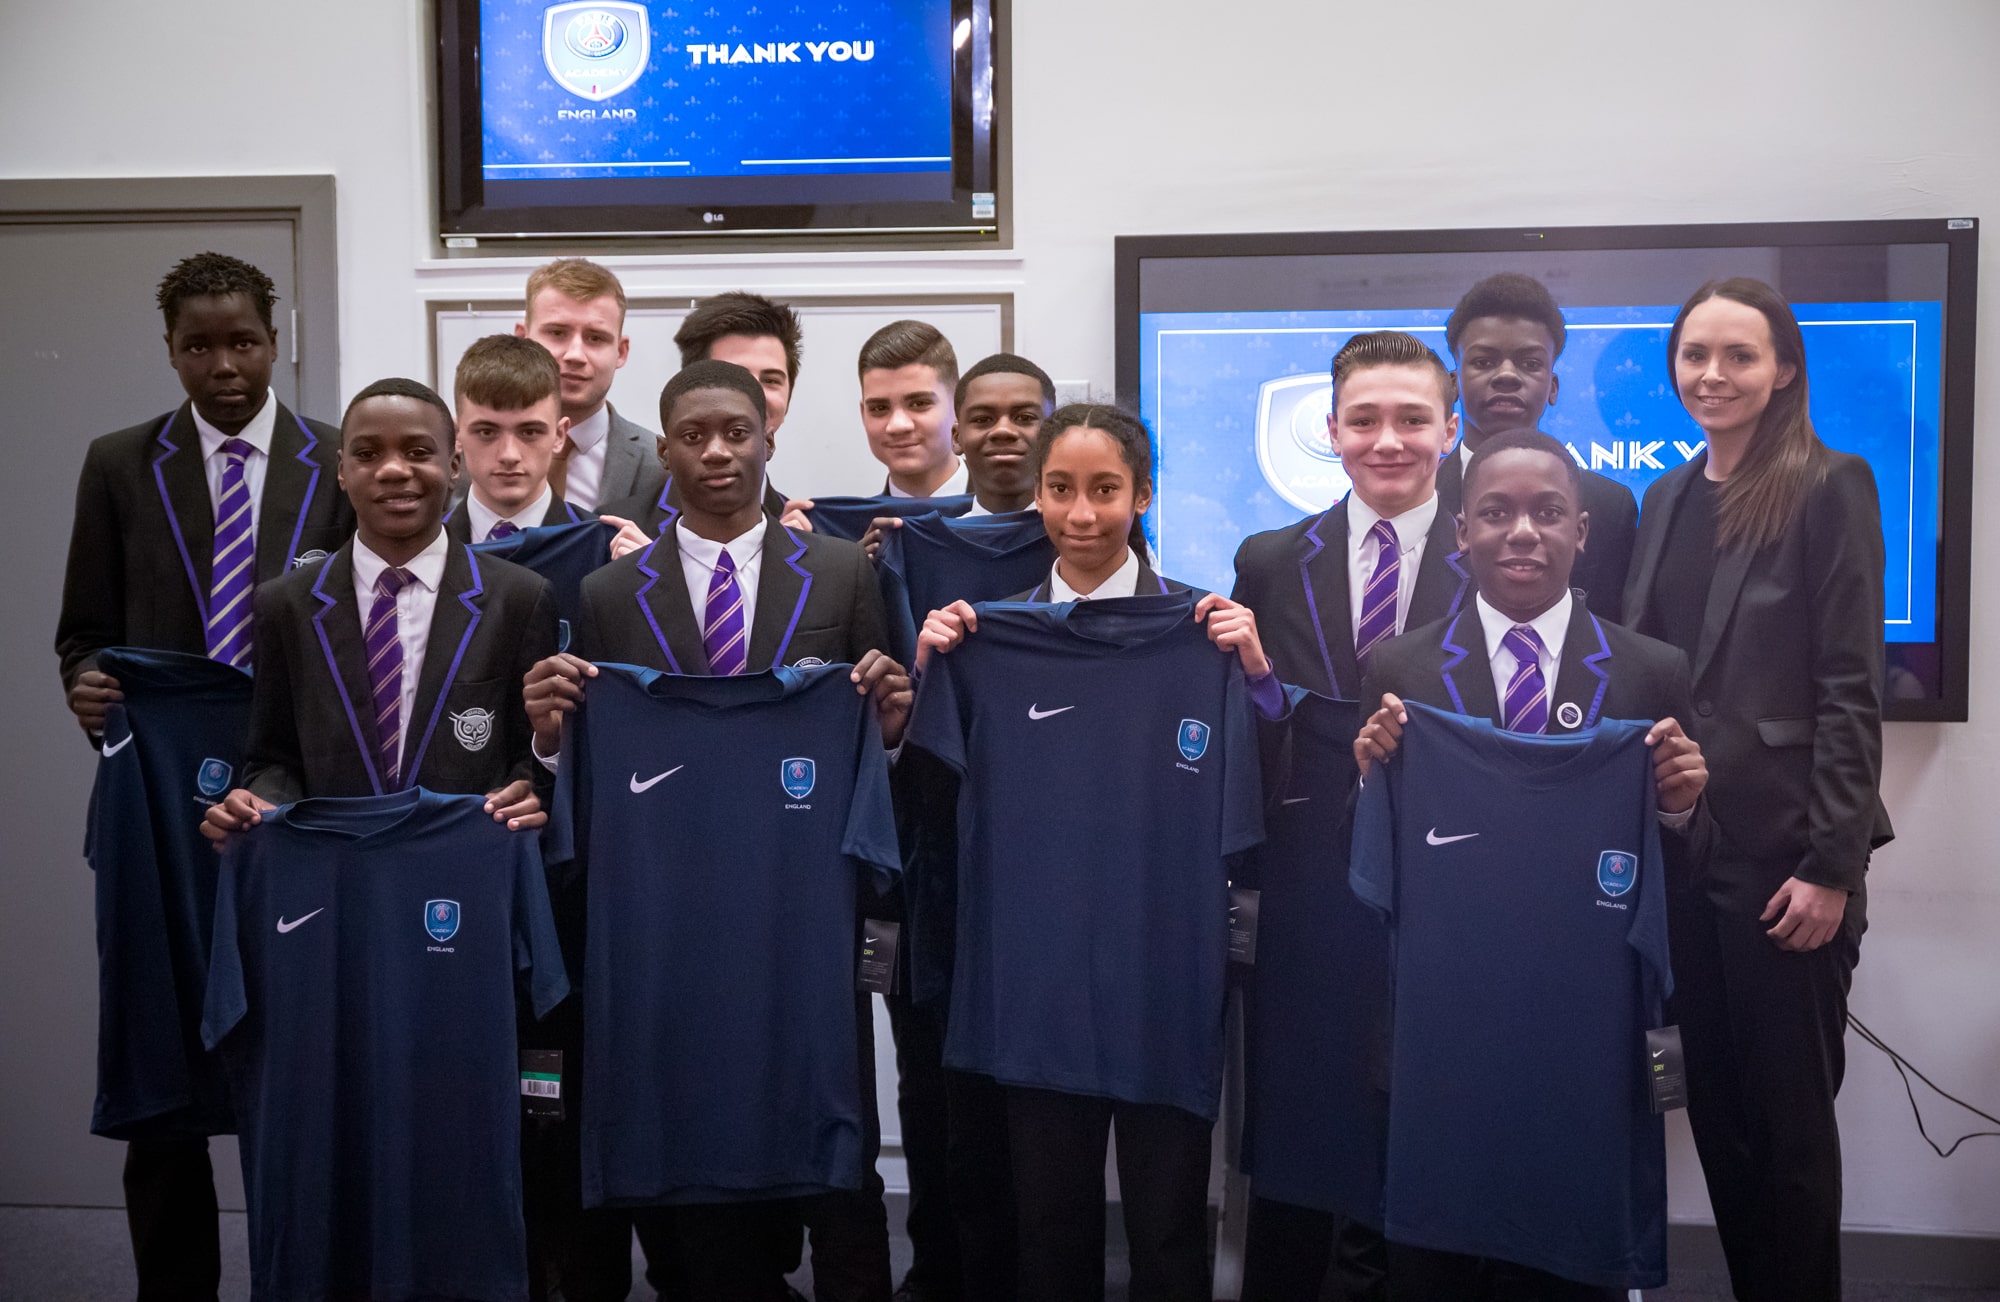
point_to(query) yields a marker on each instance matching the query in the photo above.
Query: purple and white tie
(385, 675)
(1382, 596)
(722, 628)
(502, 529)
(234, 574)
(1527, 706)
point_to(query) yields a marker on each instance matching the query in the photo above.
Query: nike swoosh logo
(1297, 800)
(1658, 1052)
(109, 751)
(1433, 837)
(647, 785)
(1034, 713)
(296, 923)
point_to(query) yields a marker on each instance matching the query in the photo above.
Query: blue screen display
(613, 89)
(1238, 402)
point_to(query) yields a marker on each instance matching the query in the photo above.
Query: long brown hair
(1785, 457)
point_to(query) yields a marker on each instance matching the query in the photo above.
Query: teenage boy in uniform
(777, 596)
(1327, 590)
(576, 310)
(909, 374)
(1001, 403)
(1521, 532)
(1505, 336)
(510, 428)
(177, 520)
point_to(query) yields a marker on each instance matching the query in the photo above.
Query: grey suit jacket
(631, 461)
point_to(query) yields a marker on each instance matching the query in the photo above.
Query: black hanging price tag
(1666, 1073)
(1243, 925)
(541, 1084)
(877, 971)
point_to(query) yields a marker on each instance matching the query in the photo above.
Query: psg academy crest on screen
(441, 919)
(1616, 872)
(1294, 446)
(596, 49)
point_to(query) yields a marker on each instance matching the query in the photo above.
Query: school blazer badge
(473, 728)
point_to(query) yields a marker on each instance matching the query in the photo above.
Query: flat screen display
(1225, 344)
(631, 117)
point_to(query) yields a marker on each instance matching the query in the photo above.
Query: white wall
(1182, 116)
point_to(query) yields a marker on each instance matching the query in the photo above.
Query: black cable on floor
(1906, 1069)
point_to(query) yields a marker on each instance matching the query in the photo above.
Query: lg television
(1224, 344)
(622, 117)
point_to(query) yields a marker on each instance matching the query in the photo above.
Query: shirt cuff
(550, 762)
(1268, 695)
(1676, 822)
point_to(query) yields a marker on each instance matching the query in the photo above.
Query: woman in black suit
(1762, 559)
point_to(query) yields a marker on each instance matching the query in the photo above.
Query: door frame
(305, 201)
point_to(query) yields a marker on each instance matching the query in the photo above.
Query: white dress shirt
(700, 556)
(214, 460)
(585, 478)
(1124, 582)
(979, 508)
(1413, 530)
(415, 604)
(528, 517)
(953, 487)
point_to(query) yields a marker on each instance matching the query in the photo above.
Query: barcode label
(546, 1087)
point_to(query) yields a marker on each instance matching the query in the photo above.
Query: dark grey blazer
(631, 461)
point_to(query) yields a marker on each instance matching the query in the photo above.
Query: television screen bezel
(1960, 361)
(463, 213)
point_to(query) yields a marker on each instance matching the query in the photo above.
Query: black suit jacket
(143, 541)
(458, 520)
(1787, 686)
(312, 731)
(655, 509)
(1601, 567)
(817, 600)
(1607, 671)
(1295, 579)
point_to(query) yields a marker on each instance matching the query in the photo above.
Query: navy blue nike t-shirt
(565, 555)
(1523, 884)
(1108, 761)
(934, 560)
(1316, 1002)
(725, 828)
(171, 749)
(367, 954)
(849, 517)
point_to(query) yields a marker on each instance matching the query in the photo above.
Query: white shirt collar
(483, 520)
(1552, 626)
(1412, 526)
(426, 567)
(743, 548)
(257, 433)
(953, 487)
(590, 431)
(1124, 582)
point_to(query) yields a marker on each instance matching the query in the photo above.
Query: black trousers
(1057, 1143)
(982, 1189)
(170, 1210)
(923, 1106)
(1423, 1275)
(849, 1230)
(1764, 1033)
(1290, 1249)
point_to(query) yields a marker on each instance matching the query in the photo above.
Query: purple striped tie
(385, 675)
(1383, 593)
(234, 572)
(1527, 705)
(722, 634)
(502, 529)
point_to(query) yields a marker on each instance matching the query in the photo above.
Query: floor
(73, 1254)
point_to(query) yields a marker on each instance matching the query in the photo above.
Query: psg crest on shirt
(212, 778)
(1616, 872)
(596, 48)
(1193, 739)
(797, 775)
(441, 919)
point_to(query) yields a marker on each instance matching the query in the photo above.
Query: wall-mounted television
(1224, 344)
(664, 118)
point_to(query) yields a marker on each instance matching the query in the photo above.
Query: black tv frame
(463, 211)
(1960, 363)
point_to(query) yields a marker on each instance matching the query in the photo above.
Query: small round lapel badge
(1568, 715)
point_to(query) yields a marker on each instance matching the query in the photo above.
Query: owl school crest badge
(1617, 871)
(313, 557)
(441, 919)
(473, 728)
(596, 48)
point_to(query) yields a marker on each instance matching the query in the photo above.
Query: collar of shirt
(953, 487)
(1464, 455)
(1124, 582)
(483, 520)
(257, 433)
(979, 508)
(590, 431)
(744, 548)
(1412, 527)
(426, 567)
(1552, 626)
